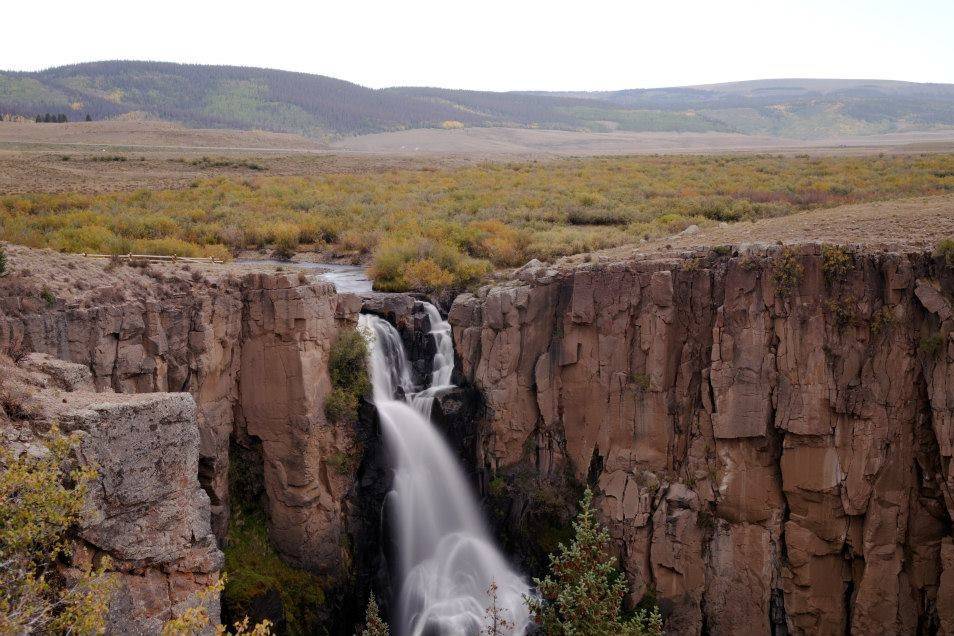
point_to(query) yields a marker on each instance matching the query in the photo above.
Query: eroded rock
(767, 455)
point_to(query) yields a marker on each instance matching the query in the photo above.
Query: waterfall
(447, 559)
(443, 366)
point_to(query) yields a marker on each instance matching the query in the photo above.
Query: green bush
(40, 500)
(254, 570)
(285, 237)
(348, 368)
(3, 261)
(467, 219)
(341, 406)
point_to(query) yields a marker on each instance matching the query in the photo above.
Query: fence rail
(157, 257)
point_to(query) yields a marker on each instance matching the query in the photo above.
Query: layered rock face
(145, 510)
(186, 339)
(252, 352)
(287, 333)
(769, 433)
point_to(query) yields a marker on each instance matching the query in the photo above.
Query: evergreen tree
(583, 593)
(88, 118)
(373, 625)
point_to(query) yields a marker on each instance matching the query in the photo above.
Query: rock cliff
(769, 429)
(145, 510)
(252, 350)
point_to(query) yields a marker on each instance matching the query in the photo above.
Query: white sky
(501, 45)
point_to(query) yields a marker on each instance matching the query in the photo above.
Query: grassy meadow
(447, 227)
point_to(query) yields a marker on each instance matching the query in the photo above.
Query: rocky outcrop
(769, 430)
(253, 354)
(145, 510)
(309, 462)
(184, 337)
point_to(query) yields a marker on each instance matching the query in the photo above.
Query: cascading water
(447, 559)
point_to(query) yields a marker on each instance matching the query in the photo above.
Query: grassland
(431, 228)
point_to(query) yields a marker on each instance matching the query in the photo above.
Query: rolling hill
(327, 108)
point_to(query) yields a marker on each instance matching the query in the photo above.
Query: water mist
(447, 559)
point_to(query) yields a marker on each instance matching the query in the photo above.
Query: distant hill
(324, 107)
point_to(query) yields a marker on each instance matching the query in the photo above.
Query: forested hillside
(319, 106)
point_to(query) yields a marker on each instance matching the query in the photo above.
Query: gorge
(768, 429)
(447, 561)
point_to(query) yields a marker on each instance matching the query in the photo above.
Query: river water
(347, 278)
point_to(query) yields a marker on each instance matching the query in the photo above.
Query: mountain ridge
(253, 98)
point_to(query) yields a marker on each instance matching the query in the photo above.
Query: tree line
(59, 118)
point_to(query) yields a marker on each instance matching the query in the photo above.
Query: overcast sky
(509, 45)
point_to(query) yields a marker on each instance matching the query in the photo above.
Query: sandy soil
(915, 223)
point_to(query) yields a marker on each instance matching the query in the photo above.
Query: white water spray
(447, 559)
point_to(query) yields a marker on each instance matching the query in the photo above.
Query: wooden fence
(156, 257)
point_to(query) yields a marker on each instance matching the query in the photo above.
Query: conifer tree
(373, 624)
(583, 593)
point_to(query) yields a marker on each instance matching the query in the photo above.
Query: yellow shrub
(423, 264)
(426, 275)
(166, 247)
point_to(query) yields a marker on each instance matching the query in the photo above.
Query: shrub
(842, 310)
(931, 345)
(532, 210)
(285, 239)
(583, 593)
(641, 380)
(422, 264)
(597, 216)
(347, 366)
(426, 275)
(787, 272)
(255, 571)
(195, 620)
(836, 263)
(3, 261)
(882, 321)
(341, 406)
(169, 246)
(38, 504)
(945, 250)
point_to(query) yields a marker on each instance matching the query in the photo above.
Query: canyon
(768, 429)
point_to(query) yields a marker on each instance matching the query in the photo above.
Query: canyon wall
(145, 510)
(768, 430)
(253, 354)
